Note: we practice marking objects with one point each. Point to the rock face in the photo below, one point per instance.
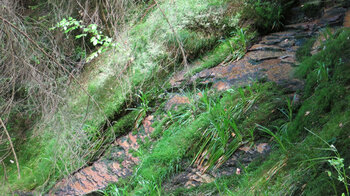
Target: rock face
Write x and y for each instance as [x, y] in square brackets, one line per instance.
[272, 58]
[347, 19]
[176, 101]
[116, 163]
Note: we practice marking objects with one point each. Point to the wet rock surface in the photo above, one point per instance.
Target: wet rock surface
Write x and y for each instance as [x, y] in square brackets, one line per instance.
[272, 58]
[175, 101]
[347, 19]
[193, 176]
[116, 163]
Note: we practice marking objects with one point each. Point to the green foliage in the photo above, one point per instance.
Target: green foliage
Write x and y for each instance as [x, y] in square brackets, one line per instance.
[223, 137]
[110, 82]
[305, 50]
[268, 11]
[267, 15]
[125, 124]
[322, 72]
[194, 43]
[238, 42]
[216, 20]
[330, 55]
[325, 110]
[115, 77]
[231, 48]
[336, 162]
[149, 187]
[312, 8]
[305, 159]
[208, 118]
[142, 109]
[80, 54]
[217, 142]
[96, 36]
[276, 137]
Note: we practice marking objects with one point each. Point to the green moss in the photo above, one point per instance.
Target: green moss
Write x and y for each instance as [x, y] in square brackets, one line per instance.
[149, 59]
[194, 43]
[335, 49]
[125, 124]
[212, 59]
[167, 153]
[159, 127]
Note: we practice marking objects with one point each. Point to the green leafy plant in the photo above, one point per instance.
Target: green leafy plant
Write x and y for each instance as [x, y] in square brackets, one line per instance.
[322, 72]
[113, 189]
[223, 136]
[220, 139]
[142, 109]
[268, 15]
[277, 137]
[336, 161]
[288, 113]
[238, 43]
[96, 36]
[149, 187]
[92, 132]
[328, 34]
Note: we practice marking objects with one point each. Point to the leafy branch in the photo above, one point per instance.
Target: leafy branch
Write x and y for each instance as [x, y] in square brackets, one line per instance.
[96, 36]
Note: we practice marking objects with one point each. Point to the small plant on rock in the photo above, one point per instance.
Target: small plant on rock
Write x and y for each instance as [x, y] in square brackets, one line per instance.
[238, 43]
[142, 109]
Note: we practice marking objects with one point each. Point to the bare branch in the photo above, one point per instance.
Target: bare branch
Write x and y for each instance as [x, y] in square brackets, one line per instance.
[12, 148]
[175, 34]
[57, 63]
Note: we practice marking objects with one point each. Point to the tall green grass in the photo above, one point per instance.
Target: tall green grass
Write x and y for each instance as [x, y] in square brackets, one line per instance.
[206, 125]
[313, 148]
[315, 151]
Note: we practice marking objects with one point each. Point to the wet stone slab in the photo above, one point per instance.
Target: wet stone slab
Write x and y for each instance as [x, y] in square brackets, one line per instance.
[116, 163]
[193, 176]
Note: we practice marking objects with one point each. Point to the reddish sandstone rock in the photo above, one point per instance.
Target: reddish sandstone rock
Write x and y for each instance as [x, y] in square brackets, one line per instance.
[175, 101]
[109, 169]
[220, 86]
[272, 58]
[347, 19]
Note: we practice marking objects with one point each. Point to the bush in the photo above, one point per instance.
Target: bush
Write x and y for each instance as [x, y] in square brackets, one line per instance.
[267, 16]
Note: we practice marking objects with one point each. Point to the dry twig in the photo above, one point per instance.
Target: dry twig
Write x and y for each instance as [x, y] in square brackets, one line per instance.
[175, 34]
[11, 145]
[57, 63]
